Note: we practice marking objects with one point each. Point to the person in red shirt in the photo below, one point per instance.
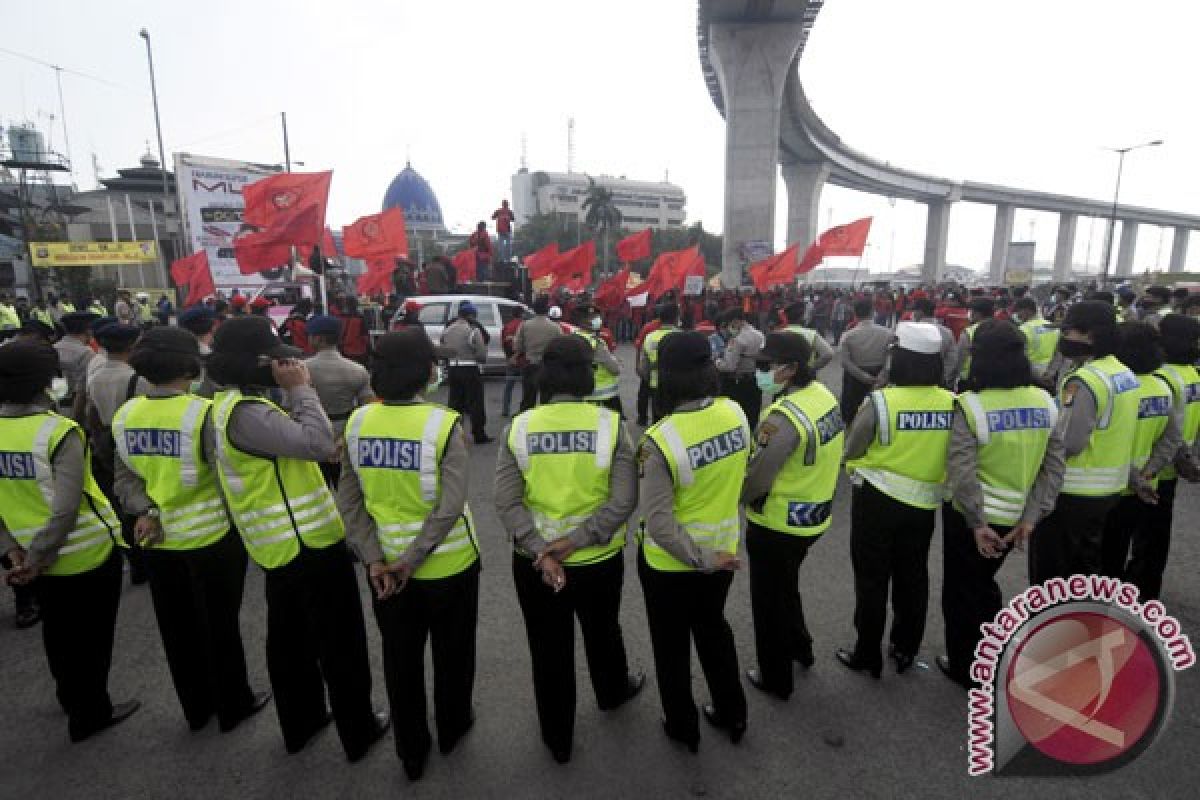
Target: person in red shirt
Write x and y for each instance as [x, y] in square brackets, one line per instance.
[643, 397]
[953, 315]
[504, 220]
[515, 363]
[482, 243]
[355, 342]
[292, 330]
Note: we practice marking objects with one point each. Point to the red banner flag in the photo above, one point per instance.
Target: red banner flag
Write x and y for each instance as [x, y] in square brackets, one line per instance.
[539, 264]
[846, 240]
[610, 295]
[378, 277]
[813, 256]
[635, 247]
[465, 265]
[671, 271]
[328, 248]
[278, 201]
[377, 235]
[573, 269]
[271, 248]
[776, 270]
[193, 272]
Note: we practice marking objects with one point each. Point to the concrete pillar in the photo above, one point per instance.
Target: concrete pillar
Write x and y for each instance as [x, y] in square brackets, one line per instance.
[1001, 236]
[1129, 232]
[1064, 250]
[752, 62]
[937, 234]
[1179, 244]
[804, 183]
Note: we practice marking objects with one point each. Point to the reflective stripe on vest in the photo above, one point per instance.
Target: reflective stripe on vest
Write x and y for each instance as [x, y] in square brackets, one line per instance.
[707, 451]
[565, 453]
[800, 500]
[159, 440]
[966, 363]
[27, 493]
[1184, 380]
[1155, 408]
[605, 383]
[650, 347]
[1102, 469]
[396, 452]
[1041, 342]
[1012, 429]
[907, 458]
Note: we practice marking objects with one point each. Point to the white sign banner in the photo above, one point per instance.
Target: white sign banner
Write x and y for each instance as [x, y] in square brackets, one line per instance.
[210, 199]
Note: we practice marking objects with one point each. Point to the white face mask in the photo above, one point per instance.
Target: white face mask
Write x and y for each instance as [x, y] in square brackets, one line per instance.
[596, 323]
[58, 389]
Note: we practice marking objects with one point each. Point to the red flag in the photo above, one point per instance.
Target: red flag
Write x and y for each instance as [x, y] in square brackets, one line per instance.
[672, 269]
[539, 264]
[813, 256]
[635, 247]
[776, 270]
[328, 248]
[464, 264]
[846, 240]
[573, 269]
[193, 272]
[610, 295]
[279, 200]
[377, 234]
[271, 248]
[378, 277]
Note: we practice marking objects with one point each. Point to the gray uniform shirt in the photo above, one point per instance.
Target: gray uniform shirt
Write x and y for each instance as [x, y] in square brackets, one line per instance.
[108, 389]
[341, 384]
[466, 341]
[741, 351]
[864, 348]
[67, 467]
[658, 505]
[259, 430]
[361, 530]
[73, 358]
[533, 336]
[598, 529]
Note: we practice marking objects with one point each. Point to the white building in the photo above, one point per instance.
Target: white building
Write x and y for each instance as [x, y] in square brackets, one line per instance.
[643, 204]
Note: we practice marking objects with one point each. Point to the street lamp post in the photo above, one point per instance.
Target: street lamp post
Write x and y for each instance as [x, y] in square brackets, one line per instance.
[1112, 220]
[162, 155]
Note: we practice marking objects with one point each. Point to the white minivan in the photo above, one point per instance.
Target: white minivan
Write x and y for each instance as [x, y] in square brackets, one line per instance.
[439, 310]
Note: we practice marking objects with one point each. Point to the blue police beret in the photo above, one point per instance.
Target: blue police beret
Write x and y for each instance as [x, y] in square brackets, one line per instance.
[113, 331]
[323, 326]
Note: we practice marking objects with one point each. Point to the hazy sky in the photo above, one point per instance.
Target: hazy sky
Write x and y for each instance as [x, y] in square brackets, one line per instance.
[1025, 93]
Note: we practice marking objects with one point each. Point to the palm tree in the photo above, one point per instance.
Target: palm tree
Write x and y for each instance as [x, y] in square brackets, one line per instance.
[601, 213]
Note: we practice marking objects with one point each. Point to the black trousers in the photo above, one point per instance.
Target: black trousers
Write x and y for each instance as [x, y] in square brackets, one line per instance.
[744, 391]
[686, 607]
[970, 594]
[643, 398]
[1145, 528]
[529, 390]
[443, 612]
[465, 396]
[79, 616]
[780, 633]
[133, 551]
[1070, 539]
[593, 594]
[889, 545]
[331, 471]
[854, 392]
[197, 598]
[316, 639]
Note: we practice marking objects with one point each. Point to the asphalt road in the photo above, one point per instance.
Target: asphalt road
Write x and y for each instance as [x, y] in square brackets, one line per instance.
[841, 735]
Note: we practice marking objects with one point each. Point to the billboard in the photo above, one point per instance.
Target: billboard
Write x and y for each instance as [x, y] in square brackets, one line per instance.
[1018, 269]
[86, 254]
[210, 202]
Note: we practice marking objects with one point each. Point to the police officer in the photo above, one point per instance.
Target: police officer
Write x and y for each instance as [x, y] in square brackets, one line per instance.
[789, 499]
[342, 385]
[693, 466]
[196, 561]
[647, 368]
[822, 353]
[1041, 339]
[1099, 402]
[201, 321]
[73, 357]
[403, 494]
[737, 363]
[468, 343]
[981, 308]
[267, 461]
[565, 485]
[1157, 441]
[1004, 468]
[47, 499]
[606, 370]
[144, 311]
[896, 457]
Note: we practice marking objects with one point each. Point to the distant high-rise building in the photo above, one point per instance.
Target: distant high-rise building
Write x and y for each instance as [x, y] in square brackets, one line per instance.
[643, 204]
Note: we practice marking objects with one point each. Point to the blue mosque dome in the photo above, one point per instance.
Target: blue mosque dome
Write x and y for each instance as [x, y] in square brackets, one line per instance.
[412, 193]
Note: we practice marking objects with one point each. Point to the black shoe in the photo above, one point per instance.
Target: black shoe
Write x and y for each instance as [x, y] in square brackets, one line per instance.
[943, 663]
[296, 746]
[561, 755]
[484, 439]
[692, 743]
[735, 730]
[383, 721]
[414, 766]
[755, 678]
[448, 744]
[120, 713]
[851, 661]
[903, 662]
[197, 725]
[28, 616]
[258, 702]
[804, 656]
[634, 683]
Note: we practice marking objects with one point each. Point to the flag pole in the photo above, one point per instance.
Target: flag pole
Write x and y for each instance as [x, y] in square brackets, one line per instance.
[133, 237]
